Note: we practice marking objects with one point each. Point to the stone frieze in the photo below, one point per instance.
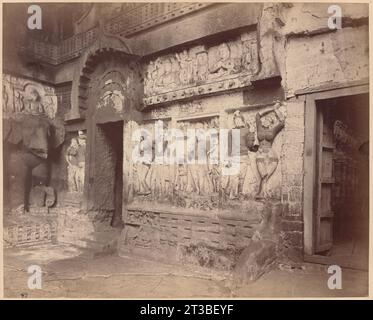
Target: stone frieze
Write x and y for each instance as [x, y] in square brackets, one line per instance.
[201, 70]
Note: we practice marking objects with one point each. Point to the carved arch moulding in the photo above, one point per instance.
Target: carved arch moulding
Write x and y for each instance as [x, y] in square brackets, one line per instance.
[105, 46]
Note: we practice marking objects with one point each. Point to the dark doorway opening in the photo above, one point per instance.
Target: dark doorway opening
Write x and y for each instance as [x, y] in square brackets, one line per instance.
[342, 180]
[108, 173]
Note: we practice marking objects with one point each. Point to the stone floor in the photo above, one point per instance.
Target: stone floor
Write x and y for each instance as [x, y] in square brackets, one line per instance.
[70, 272]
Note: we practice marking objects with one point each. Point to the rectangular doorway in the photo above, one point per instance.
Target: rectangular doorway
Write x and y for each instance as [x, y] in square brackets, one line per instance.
[108, 169]
[340, 193]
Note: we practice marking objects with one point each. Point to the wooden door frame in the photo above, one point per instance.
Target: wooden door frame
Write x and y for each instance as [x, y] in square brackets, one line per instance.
[310, 165]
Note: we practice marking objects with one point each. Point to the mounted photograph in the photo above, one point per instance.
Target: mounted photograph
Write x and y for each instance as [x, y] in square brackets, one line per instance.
[185, 150]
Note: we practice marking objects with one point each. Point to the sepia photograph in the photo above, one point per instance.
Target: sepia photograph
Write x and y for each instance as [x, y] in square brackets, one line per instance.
[185, 150]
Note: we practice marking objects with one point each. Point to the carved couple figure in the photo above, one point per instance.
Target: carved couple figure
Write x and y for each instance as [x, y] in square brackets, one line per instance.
[258, 159]
[75, 157]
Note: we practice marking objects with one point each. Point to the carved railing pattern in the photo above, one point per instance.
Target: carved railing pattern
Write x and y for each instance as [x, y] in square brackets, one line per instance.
[139, 18]
[149, 15]
[65, 50]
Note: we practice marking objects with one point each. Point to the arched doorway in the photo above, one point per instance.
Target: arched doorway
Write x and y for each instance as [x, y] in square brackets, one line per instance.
[113, 95]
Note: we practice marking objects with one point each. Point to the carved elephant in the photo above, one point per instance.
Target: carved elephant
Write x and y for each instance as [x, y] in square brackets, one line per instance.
[28, 141]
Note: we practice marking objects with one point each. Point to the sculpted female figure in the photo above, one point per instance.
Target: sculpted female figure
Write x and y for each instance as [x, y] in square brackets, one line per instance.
[72, 165]
[267, 159]
[80, 171]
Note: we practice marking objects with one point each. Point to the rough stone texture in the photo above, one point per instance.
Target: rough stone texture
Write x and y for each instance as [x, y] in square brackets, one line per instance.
[263, 250]
[311, 18]
[86, 230]
[204, 239]
[256, 259]
[211, 21]
[292, 177]
[74, 227]
[247, 246]
[326, 59]
[30, 230]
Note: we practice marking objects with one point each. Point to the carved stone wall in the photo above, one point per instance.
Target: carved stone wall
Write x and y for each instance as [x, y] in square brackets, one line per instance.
[32, 126]
[29, 231]
[24, 96]
[201, 70]
[204, 240]
[203, 186]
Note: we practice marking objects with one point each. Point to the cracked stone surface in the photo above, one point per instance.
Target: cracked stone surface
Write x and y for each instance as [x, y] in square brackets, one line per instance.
[69, 272]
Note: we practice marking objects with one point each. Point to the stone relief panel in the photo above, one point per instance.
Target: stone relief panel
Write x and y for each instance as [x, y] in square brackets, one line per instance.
[188, 183]
[113, 92]
[32, 131]
[23, 96]
[202, 70]
[262, 164]
[75, 159]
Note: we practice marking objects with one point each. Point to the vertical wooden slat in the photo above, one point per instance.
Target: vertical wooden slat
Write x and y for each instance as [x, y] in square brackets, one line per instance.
[324, 160]
[309, 174]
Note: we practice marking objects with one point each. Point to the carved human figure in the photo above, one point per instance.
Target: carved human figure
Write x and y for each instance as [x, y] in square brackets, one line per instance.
[249, 58]
[199, 180]
[181, 177]
[267, 159]
[251, 179]
[28, 140]
[151, 77]
[75, 158]
[160, 179]
[165, 75]
[19, 104]
[33, 105]
[142, 170]
[226, 182]
[223, 64]
[81, 161]
[201, 69]
[247, 144]
[212, 155]
[186, 67]
[72, 165]
[5, 99]
[204, 178]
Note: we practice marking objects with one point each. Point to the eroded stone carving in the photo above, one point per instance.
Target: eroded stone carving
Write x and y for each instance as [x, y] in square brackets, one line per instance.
[243, 183]
[190, 107]
[21, 96]
[75, 158]
[30, 130]
[201, 70]
[191, 184]
[269, 123]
